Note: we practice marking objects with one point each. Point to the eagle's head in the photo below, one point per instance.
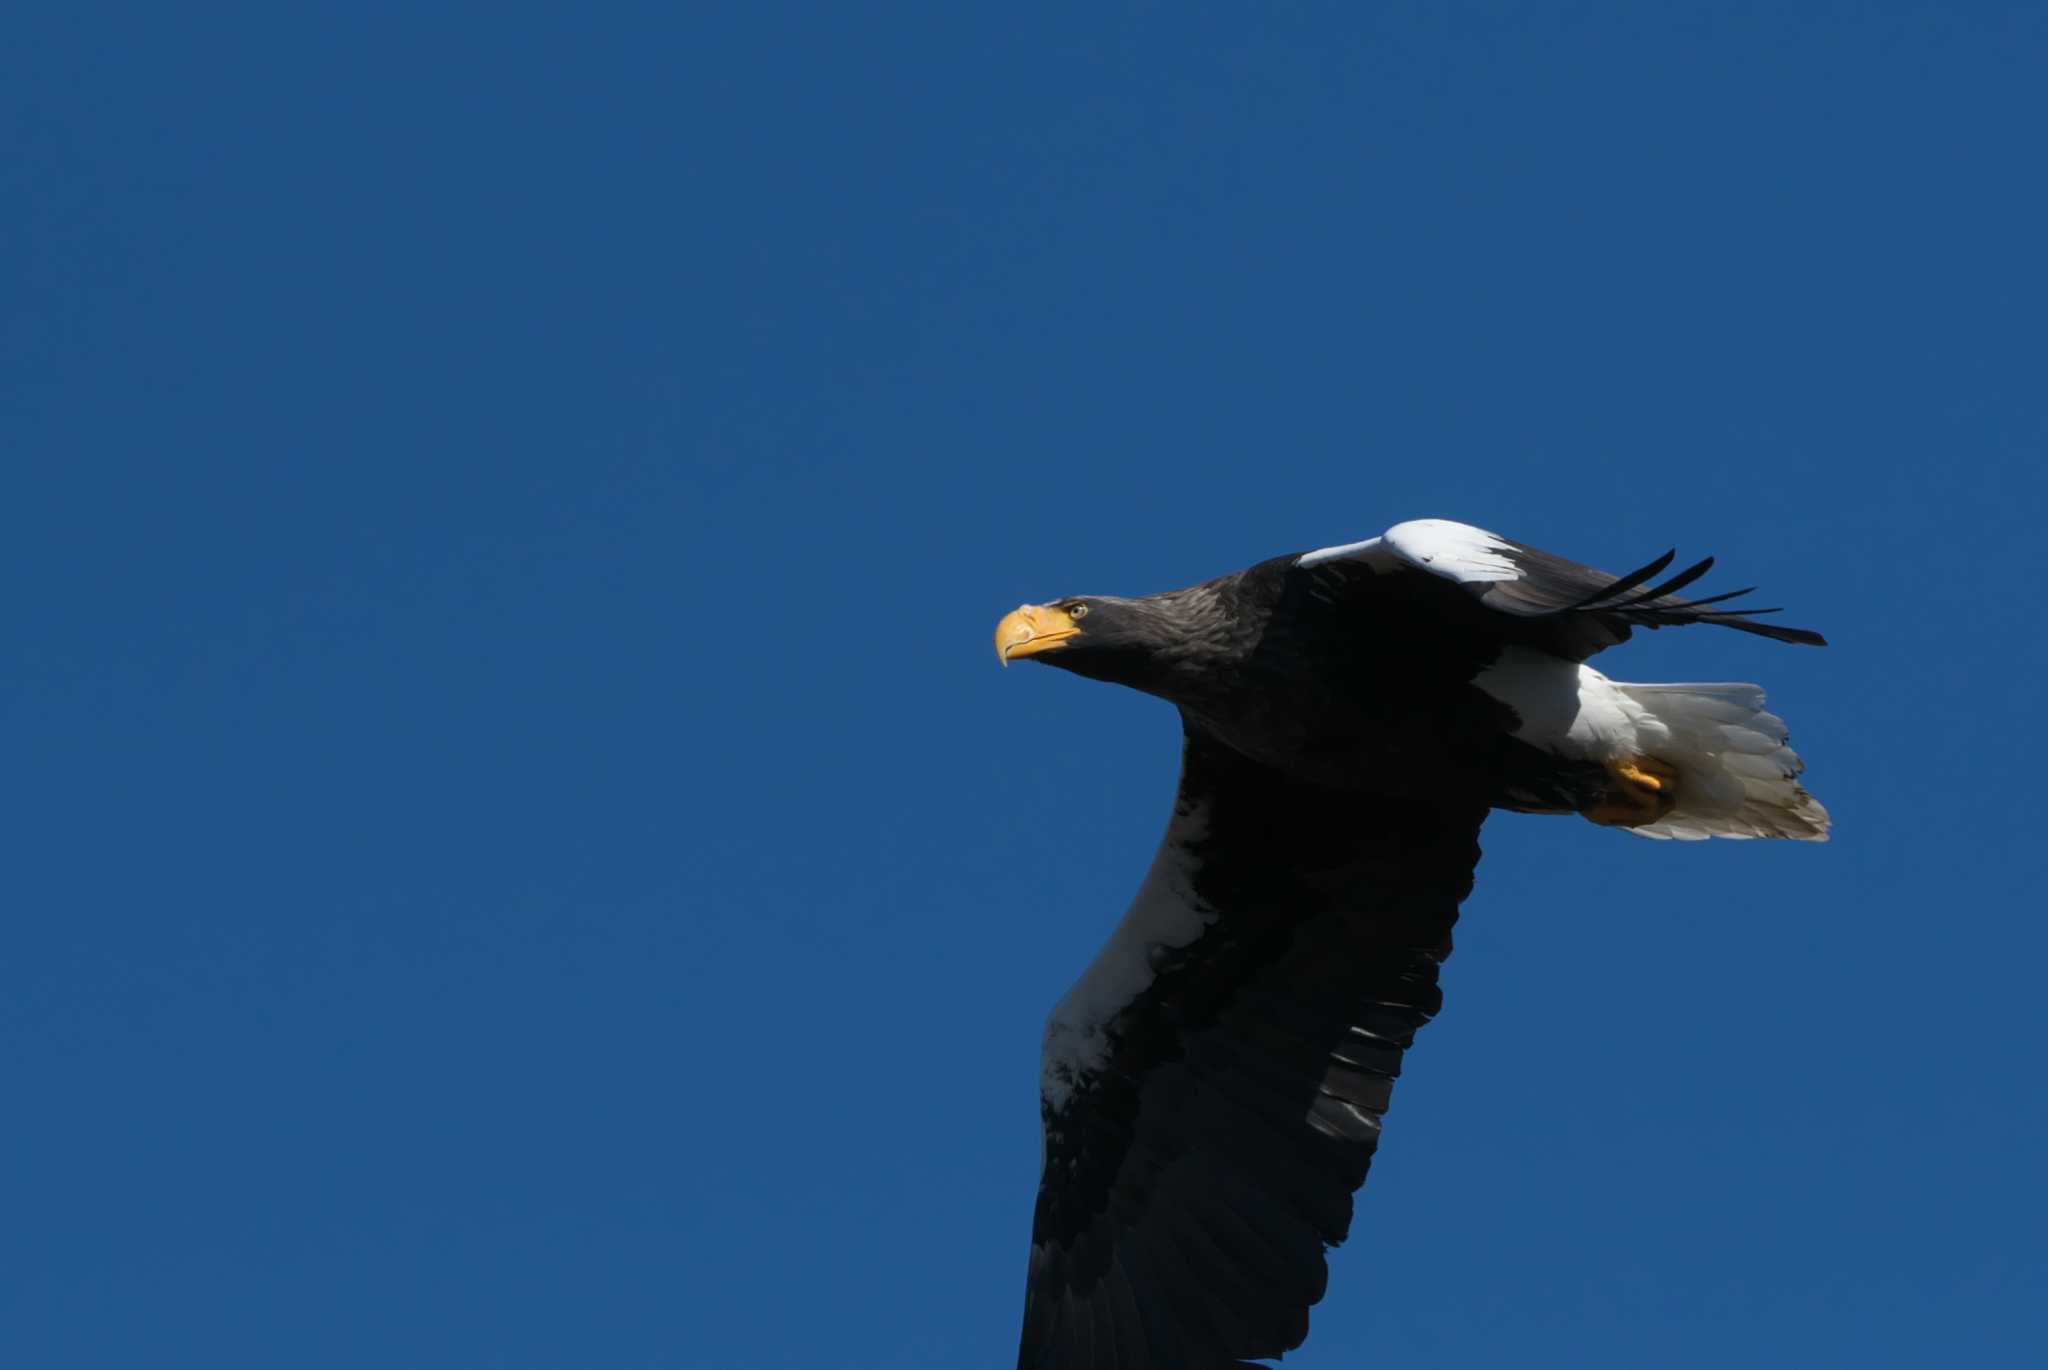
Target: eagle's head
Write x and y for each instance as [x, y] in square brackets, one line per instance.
[1175, 645]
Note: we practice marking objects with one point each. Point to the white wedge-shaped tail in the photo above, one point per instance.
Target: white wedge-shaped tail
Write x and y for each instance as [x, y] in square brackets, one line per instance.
[1736, 775]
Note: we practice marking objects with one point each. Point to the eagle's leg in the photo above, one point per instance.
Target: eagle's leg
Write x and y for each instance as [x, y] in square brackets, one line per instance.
[1644, 790]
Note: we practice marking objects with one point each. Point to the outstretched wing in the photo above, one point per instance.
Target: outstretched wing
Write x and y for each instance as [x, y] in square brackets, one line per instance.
[1580, 610]
[1213, 1084]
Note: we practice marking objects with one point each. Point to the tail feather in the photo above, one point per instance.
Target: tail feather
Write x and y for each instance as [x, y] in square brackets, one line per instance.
[1737, 776]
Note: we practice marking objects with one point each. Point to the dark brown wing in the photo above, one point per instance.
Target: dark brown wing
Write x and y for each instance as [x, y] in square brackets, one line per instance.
[1570, 610]
[1550, 585]
[1214, 1084]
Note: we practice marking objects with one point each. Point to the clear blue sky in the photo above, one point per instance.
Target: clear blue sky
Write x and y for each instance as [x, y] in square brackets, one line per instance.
[519, 853]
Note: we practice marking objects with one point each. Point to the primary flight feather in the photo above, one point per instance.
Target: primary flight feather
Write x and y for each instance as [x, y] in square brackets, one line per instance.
[1212, 1086]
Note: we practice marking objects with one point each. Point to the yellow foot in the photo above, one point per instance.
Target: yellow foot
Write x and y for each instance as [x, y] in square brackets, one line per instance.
[1644, 790]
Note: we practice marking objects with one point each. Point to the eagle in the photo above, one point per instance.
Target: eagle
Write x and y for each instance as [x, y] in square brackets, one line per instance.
[1212, 1087]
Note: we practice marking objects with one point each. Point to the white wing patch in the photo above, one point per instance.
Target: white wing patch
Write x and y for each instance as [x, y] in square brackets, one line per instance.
[1165, 914]
[1369, 551]
[1455, 551]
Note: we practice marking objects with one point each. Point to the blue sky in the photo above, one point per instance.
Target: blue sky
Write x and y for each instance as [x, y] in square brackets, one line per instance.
[519, 852]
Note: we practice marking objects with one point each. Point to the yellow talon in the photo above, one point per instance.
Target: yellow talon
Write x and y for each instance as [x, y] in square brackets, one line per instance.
[1645, 790]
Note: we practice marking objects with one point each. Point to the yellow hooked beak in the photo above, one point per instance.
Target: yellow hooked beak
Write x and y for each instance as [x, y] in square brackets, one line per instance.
[1031, 629]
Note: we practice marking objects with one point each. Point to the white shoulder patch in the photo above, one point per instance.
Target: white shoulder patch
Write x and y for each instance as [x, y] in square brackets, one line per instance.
[1455, 551]
[1166, 915]
[1369, 550]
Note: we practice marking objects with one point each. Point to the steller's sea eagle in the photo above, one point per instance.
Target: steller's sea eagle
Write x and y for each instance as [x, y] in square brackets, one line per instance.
[1213, 1084]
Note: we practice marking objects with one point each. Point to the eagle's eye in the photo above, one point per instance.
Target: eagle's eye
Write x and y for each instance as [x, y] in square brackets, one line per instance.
[1077, 611]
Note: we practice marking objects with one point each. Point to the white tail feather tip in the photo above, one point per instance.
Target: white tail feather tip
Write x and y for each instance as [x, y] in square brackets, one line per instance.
[1736, 775]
